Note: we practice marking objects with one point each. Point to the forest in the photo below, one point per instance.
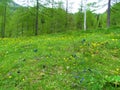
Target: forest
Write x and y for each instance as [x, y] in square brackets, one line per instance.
[16, 20]
[44, 45]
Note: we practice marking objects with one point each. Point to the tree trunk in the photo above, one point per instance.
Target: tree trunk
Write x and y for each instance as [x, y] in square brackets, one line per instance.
[66, 24]
[22, 28]
[108, 13]
[85, 15]
[81, 6]
[17, 27]
[4, 22]
[36, 26]
[27, 24]
[52, 18]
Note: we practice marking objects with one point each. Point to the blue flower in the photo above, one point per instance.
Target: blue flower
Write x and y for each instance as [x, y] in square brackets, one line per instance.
[81, 80]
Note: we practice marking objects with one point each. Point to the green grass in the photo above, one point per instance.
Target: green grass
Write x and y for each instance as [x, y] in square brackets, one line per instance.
[75, 60]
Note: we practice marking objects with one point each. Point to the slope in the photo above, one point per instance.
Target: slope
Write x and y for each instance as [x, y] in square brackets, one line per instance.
[74, 61]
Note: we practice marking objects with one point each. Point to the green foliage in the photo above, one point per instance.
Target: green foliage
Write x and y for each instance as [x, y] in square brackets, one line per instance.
[115, 21]
[91, 20]
[79, 20]
[52, 20]
[21, 21]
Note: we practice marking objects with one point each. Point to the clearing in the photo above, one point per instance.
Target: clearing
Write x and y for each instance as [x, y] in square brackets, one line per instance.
[74, 61]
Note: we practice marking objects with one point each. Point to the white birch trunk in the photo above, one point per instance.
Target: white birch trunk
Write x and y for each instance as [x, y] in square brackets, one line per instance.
[85, 15]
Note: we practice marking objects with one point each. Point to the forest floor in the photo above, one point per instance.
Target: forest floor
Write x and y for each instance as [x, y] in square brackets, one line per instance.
[75, 60]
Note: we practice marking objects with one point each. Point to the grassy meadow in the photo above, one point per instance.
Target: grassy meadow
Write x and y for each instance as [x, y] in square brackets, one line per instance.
[75, 60]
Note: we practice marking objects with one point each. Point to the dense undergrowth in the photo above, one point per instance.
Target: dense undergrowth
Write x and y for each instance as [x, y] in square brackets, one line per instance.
[75, 60]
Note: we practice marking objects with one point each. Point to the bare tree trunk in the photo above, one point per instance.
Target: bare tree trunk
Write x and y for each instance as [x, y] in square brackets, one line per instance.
[27, 24]
[81, 5]
[108, 13]
[36, 26]
[17, 26]
[52, 3]
[4, 21]
[85, 15]
[33, 27]
[66, 25]
[22, 28]
[2, 25]
[52, 16]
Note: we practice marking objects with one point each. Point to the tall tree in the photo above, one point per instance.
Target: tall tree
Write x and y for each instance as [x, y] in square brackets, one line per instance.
[5, 4]
[108, 13]
[53, 23]
[4, 18]
[37, 10]
[85, 1]
[115, 14]
[66, 14]
[81, 6]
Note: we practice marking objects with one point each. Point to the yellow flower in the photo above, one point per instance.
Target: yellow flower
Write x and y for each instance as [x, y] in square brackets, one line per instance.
[67, 67]
[117, 69]
[10, 76]
[92, 55]
[113, 39]
[94, 44]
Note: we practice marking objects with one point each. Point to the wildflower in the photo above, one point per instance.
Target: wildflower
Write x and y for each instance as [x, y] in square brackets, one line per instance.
[113, 39]
[94, 44]
[83, 41]
[117, 69]
[67, 67]
[10, 76]
[81, 80]
[92, 55]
